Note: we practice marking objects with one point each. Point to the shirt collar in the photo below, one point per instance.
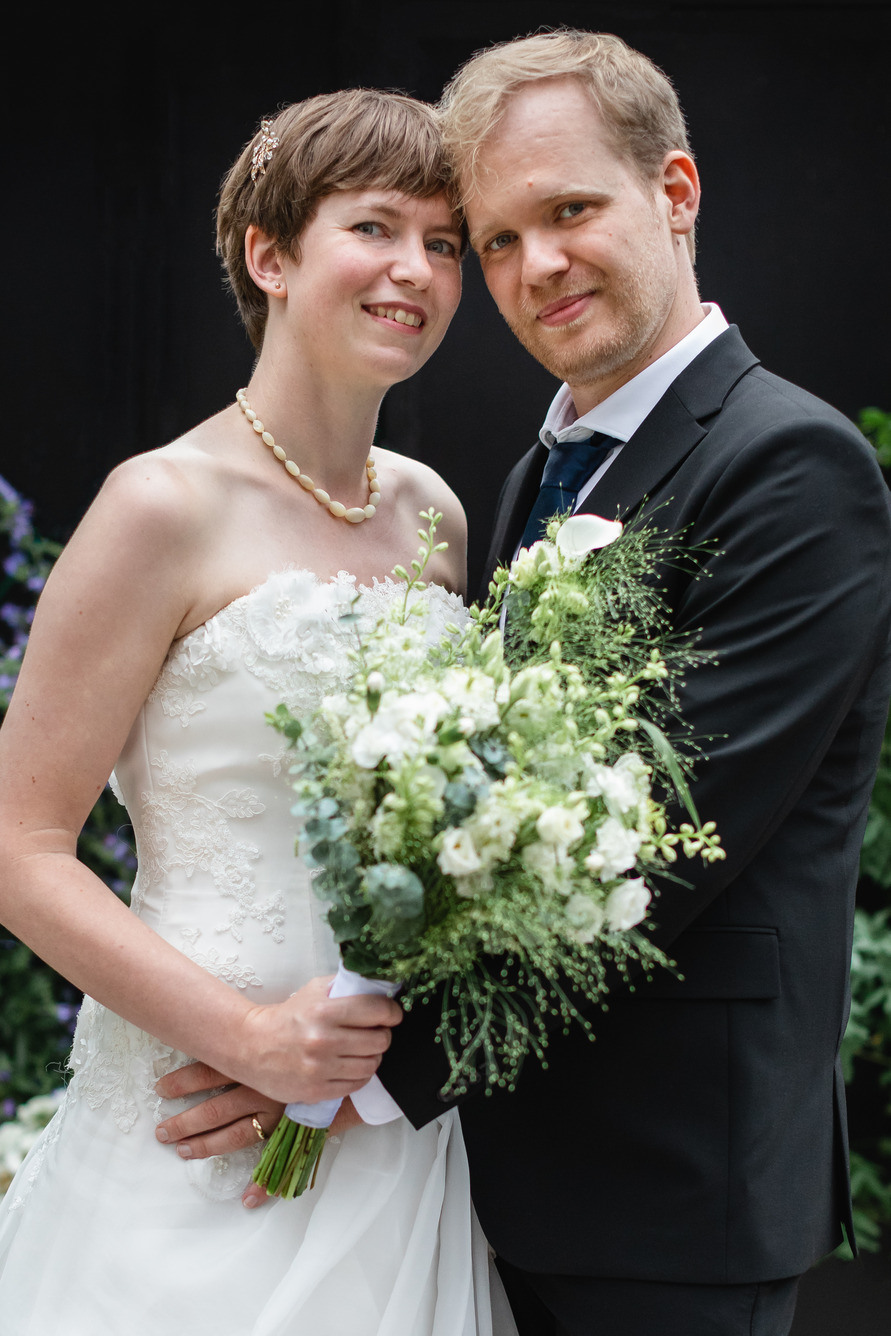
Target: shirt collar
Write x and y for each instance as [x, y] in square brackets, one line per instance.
[622, 413]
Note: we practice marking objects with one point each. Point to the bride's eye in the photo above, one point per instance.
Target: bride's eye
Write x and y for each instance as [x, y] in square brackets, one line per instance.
[368, 229]
[441, 246]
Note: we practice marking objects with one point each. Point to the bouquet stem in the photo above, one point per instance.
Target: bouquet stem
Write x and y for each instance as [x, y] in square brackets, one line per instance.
[290, 1159]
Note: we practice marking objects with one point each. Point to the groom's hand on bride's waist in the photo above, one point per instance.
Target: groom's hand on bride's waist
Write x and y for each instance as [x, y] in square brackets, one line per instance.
[334, 1046]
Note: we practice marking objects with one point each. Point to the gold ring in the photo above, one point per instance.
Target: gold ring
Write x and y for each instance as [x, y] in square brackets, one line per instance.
[258, 1129]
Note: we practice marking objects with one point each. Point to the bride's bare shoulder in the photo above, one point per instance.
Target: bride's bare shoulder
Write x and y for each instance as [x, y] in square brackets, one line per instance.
[420, 486]
[417, 488]
[174, 490]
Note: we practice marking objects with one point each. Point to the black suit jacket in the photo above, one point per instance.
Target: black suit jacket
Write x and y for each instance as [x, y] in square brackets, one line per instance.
[701, 1137]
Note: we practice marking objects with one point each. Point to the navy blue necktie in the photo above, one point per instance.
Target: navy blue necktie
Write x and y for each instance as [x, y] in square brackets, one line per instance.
[570, 465]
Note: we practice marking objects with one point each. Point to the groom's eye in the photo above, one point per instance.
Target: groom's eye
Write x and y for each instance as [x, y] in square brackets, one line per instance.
[572, 210]
[498, 243]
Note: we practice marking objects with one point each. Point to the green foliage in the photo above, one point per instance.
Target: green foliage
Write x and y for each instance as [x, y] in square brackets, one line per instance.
[39, 1007]
[866, 1048]
[876, 427]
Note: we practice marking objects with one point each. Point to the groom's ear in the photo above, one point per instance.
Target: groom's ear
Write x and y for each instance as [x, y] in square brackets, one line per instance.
[679, 185]
[263, 262]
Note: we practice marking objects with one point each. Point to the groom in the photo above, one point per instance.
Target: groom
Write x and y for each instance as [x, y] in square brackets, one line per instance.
[678, 1175]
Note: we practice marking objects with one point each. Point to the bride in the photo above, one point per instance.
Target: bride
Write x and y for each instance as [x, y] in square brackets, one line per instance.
[204, 586]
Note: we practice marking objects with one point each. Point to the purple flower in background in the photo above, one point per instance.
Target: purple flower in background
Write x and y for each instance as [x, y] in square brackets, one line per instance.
[35, 583]
[118, 848]
[9, 1108]
[13, 563]
[21, 524]
[9, 493]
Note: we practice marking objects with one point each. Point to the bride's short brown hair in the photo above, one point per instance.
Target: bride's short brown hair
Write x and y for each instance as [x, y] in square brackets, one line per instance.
[350, 140]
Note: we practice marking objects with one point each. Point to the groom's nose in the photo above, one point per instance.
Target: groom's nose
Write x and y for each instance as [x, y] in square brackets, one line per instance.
[543, 257]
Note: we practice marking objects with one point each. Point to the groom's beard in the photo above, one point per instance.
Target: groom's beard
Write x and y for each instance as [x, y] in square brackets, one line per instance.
[625, 318]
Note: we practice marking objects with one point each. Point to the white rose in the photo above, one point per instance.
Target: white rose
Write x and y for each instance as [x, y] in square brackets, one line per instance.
[616, 851]
[626, 906]
[457, 856]
[559, 826]
[585, 916]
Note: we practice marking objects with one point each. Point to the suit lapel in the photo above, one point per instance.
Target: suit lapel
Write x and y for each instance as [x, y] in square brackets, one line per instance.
[674, 428]
[655, 450]
[677, 424]
[517, 499]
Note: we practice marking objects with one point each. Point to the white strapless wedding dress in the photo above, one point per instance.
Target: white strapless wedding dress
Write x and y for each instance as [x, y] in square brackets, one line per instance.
[104, 1231]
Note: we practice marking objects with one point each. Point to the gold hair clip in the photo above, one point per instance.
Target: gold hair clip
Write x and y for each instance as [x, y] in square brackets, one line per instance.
[262, 154]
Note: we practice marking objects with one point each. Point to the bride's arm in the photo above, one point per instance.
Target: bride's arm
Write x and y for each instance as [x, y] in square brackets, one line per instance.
[116, 599]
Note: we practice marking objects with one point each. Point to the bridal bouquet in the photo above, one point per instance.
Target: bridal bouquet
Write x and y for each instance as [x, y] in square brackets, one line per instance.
[484, 814]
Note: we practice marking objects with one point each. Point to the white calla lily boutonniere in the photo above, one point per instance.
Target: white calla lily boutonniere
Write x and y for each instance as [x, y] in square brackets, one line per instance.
[581, 534]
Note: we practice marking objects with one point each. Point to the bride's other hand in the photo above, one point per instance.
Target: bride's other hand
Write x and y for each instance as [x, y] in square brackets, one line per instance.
[314, 1047]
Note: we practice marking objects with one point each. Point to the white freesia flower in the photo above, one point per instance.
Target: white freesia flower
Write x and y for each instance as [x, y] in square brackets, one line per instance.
[561, 826]
[473, 696]
[622, 786]
[585, 917]
[532, 562]
[398, 727]
[581, 534]
[616, 851]
[494, 829]
[626, 906]
[457, 856]
[553, 865]
[432, 778]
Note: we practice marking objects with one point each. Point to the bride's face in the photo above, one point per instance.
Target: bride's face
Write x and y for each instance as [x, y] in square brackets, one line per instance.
[376, 284]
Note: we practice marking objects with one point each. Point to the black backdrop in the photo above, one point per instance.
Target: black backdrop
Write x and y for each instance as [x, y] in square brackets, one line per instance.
[120, 336]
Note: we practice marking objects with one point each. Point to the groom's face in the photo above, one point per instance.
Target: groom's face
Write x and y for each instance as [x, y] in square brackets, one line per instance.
[575, 245]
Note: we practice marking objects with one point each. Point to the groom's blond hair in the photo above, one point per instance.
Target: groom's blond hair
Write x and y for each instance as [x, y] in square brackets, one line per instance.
[636, 101]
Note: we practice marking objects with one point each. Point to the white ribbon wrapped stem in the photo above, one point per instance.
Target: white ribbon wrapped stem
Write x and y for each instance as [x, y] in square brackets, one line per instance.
[373, 1103]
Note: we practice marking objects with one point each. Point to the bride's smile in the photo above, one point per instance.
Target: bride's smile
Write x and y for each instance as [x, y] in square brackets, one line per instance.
[370, 292]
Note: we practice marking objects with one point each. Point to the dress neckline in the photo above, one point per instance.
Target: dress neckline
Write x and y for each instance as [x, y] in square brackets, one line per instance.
[340, 577]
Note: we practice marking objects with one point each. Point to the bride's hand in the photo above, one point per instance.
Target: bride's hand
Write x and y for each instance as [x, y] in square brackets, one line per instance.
[314, 1047]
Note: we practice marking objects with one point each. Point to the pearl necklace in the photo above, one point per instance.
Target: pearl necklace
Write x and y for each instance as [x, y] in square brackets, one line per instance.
[353, 514]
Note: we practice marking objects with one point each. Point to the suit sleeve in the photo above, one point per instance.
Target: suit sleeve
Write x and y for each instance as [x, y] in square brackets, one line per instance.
[795, 608]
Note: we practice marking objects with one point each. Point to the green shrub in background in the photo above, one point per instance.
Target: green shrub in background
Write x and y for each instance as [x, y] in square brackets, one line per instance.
[38, 1007]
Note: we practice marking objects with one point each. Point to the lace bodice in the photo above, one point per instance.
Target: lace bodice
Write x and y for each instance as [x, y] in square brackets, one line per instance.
[203, 778]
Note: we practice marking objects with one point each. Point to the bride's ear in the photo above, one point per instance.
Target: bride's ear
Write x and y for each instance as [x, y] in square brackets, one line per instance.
[263, 262]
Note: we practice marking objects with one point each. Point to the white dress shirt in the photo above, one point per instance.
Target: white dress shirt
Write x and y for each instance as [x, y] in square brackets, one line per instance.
[622, 413]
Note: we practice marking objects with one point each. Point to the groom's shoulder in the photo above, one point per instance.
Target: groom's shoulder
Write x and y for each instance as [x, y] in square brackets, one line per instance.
[758, 392]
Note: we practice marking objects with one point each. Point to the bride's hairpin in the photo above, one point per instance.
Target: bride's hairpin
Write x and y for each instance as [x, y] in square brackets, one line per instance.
[262, 154]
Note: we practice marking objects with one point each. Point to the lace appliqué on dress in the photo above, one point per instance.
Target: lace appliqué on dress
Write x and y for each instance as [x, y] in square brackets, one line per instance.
[117, 1064]
[186, 829]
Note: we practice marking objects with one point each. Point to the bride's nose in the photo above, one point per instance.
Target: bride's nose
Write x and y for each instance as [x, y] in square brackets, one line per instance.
[411, 264]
